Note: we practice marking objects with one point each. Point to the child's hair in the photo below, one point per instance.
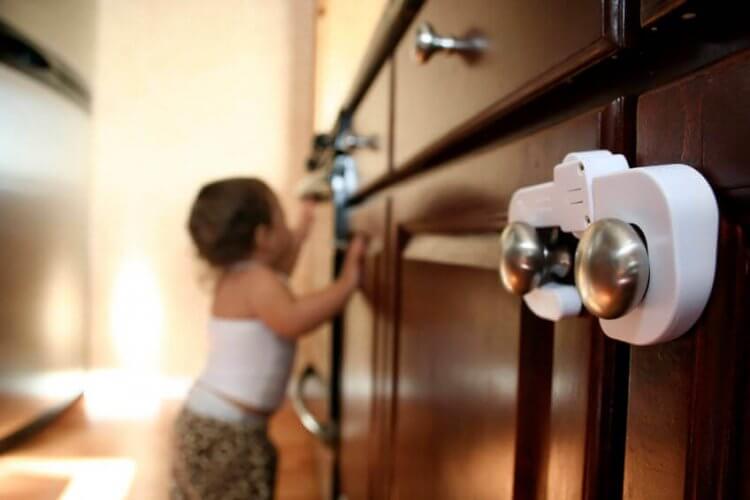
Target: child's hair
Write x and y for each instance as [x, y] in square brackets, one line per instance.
[224, 217]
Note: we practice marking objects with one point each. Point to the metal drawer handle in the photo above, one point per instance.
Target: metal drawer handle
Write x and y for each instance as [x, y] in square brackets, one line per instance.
[350, 141]
[326, 432]
[527, 261]
[428, 42]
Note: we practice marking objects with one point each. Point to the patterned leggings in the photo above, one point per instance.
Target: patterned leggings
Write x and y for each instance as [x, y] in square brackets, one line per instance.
[221, 460]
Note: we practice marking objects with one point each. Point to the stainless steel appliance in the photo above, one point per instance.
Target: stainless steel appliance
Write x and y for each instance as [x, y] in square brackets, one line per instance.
[44, 148]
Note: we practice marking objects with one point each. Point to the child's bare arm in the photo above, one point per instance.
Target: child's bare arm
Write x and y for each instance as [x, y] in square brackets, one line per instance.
[293, 316]
[289, 261]
[299, 235]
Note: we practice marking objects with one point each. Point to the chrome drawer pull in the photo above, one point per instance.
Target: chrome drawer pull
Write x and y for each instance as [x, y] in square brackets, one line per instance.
[428, 43]
[526, 262]
[350, 142]
[325, 432]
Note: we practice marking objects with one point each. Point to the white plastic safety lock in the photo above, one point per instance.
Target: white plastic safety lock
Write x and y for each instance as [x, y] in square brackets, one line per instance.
[675, 213]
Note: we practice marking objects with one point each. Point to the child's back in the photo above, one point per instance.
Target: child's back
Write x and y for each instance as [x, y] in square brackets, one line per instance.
[222, 448]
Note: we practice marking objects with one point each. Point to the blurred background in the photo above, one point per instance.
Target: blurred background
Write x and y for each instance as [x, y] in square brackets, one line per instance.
[116, 112]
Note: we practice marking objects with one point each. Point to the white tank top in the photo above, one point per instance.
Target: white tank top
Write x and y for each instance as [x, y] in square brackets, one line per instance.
[248, 362]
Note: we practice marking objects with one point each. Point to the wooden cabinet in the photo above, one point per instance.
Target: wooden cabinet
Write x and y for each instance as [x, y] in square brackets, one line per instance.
[451, 387]
[531, 45]
[457, 376]
[700, 120]
[363, 417]
[491, 401]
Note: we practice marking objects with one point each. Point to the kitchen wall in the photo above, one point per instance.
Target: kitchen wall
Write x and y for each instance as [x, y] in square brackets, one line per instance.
[186, 91]
[343, 33]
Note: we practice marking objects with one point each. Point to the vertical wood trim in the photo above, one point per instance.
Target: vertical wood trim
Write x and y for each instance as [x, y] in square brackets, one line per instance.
[740, 456]
[337, 355]
[606, 419]
[399, 238]
[392, 293]
[621, 21]
[533, 406]
[618, 127]
[376, 352]
[609, 359]
[390, 360]
[391, 112]
[720, 348]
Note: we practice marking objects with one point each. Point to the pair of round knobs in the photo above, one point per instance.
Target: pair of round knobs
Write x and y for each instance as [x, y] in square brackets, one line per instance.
[611, 265]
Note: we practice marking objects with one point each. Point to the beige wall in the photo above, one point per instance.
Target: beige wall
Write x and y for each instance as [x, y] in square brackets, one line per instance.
[344, 30]
[185, 91]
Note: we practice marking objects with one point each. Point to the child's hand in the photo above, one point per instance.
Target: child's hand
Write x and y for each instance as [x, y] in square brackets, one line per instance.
[351, 271]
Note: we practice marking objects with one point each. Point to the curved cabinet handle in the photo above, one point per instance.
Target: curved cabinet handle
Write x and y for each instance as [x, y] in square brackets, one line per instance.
[326, 432]
[428, 42]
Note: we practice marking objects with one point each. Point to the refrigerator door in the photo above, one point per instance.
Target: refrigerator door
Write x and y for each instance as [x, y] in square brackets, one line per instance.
[44, 149]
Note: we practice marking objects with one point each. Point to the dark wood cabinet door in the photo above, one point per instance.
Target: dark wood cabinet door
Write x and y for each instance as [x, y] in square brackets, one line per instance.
[587, 412]
[687, 404]
[491, 401]
[458, 376]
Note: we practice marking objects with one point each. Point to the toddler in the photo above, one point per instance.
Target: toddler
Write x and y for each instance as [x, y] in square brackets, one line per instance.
[222, 448]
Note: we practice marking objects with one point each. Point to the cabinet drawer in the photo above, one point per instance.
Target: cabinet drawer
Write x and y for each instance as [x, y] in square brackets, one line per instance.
[530, 44]
[373, 119]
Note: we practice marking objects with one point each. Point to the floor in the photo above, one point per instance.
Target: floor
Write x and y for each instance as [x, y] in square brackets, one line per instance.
[83, 457]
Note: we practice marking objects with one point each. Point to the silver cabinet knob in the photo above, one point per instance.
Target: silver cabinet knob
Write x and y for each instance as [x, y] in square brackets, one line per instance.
[428, 42]
[526, 262]
[522, 258]
[611, 268]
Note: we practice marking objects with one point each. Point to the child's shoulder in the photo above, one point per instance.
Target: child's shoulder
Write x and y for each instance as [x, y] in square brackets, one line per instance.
[258, 275]
[238, 286]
